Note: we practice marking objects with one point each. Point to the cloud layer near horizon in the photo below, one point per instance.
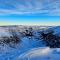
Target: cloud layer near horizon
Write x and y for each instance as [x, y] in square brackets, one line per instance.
[48, 7]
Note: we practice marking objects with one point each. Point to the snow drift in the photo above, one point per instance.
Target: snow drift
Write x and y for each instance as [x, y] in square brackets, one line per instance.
[44, 53]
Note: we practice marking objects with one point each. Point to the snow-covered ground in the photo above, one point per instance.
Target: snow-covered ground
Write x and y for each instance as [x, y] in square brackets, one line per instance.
[29, 49]
[44, 53]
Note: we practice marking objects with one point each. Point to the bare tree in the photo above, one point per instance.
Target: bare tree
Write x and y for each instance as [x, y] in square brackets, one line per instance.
[14, 38]
[51, 40]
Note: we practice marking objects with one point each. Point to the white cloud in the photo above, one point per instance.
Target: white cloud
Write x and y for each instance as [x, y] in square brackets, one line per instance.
[49, 7]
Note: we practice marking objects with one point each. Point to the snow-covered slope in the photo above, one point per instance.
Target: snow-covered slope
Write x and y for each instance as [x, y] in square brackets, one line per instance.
[57, 30]
[29, 49]
[41, 54]
[4, 32]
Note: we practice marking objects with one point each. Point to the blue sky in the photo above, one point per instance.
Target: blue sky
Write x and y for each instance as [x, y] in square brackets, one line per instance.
[29, 20]
[29, 12]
